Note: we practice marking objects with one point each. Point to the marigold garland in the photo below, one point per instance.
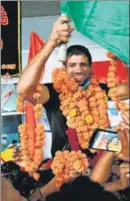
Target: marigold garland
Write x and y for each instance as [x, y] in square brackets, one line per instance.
[111, 83]
[20, 104]
[67, 165]
[111, 56]
[85, 110]
[31, 163]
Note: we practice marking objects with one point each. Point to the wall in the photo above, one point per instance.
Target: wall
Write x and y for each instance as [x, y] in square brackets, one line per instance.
[42, 26]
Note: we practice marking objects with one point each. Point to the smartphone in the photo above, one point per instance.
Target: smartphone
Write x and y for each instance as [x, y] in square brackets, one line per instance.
[106, 140]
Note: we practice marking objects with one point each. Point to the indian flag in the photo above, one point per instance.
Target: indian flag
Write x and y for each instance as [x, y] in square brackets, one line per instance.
[104, 22]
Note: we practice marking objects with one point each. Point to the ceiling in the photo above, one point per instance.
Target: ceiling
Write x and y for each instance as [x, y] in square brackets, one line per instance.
[39, 8]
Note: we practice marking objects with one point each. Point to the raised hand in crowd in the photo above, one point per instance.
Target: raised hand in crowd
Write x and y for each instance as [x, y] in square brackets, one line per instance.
[126, 120]
[61, 31]
[123, 131]
[125, 175]
[124, 171]
[121, 183]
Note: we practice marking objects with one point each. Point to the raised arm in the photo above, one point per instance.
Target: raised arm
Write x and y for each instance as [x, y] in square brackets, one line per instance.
[32, 73]
[102, 168]
[121, 183]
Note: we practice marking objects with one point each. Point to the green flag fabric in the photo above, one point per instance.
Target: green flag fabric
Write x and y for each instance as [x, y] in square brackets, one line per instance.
[104, 22]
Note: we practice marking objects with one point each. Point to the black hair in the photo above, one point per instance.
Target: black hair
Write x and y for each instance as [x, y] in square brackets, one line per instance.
[79, 50]
[14, 141]
[21, 180]
[82, 189]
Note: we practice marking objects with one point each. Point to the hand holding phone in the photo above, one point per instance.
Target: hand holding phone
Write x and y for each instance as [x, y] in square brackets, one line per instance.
[105, 140]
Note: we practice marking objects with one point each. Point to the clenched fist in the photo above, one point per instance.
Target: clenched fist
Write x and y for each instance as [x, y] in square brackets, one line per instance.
[61, 31]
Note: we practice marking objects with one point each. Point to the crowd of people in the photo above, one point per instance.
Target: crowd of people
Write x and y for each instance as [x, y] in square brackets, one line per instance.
[99, 183]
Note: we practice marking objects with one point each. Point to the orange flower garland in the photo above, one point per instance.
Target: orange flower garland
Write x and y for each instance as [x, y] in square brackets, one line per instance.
[31, 163]
[112, 56]
[67, 165]
[111, 83]
[85, 110]
[20, 104]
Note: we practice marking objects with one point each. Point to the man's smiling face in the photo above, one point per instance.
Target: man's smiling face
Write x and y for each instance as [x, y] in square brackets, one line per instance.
[78, 67]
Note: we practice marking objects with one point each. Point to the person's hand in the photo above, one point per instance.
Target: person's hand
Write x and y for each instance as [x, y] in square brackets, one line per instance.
[124, 138]
[61, 31]
[125, 175]
[121, 183]
[8, 192]
[36, 195]
[123, 131]
[126, 120]
[73, 175]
